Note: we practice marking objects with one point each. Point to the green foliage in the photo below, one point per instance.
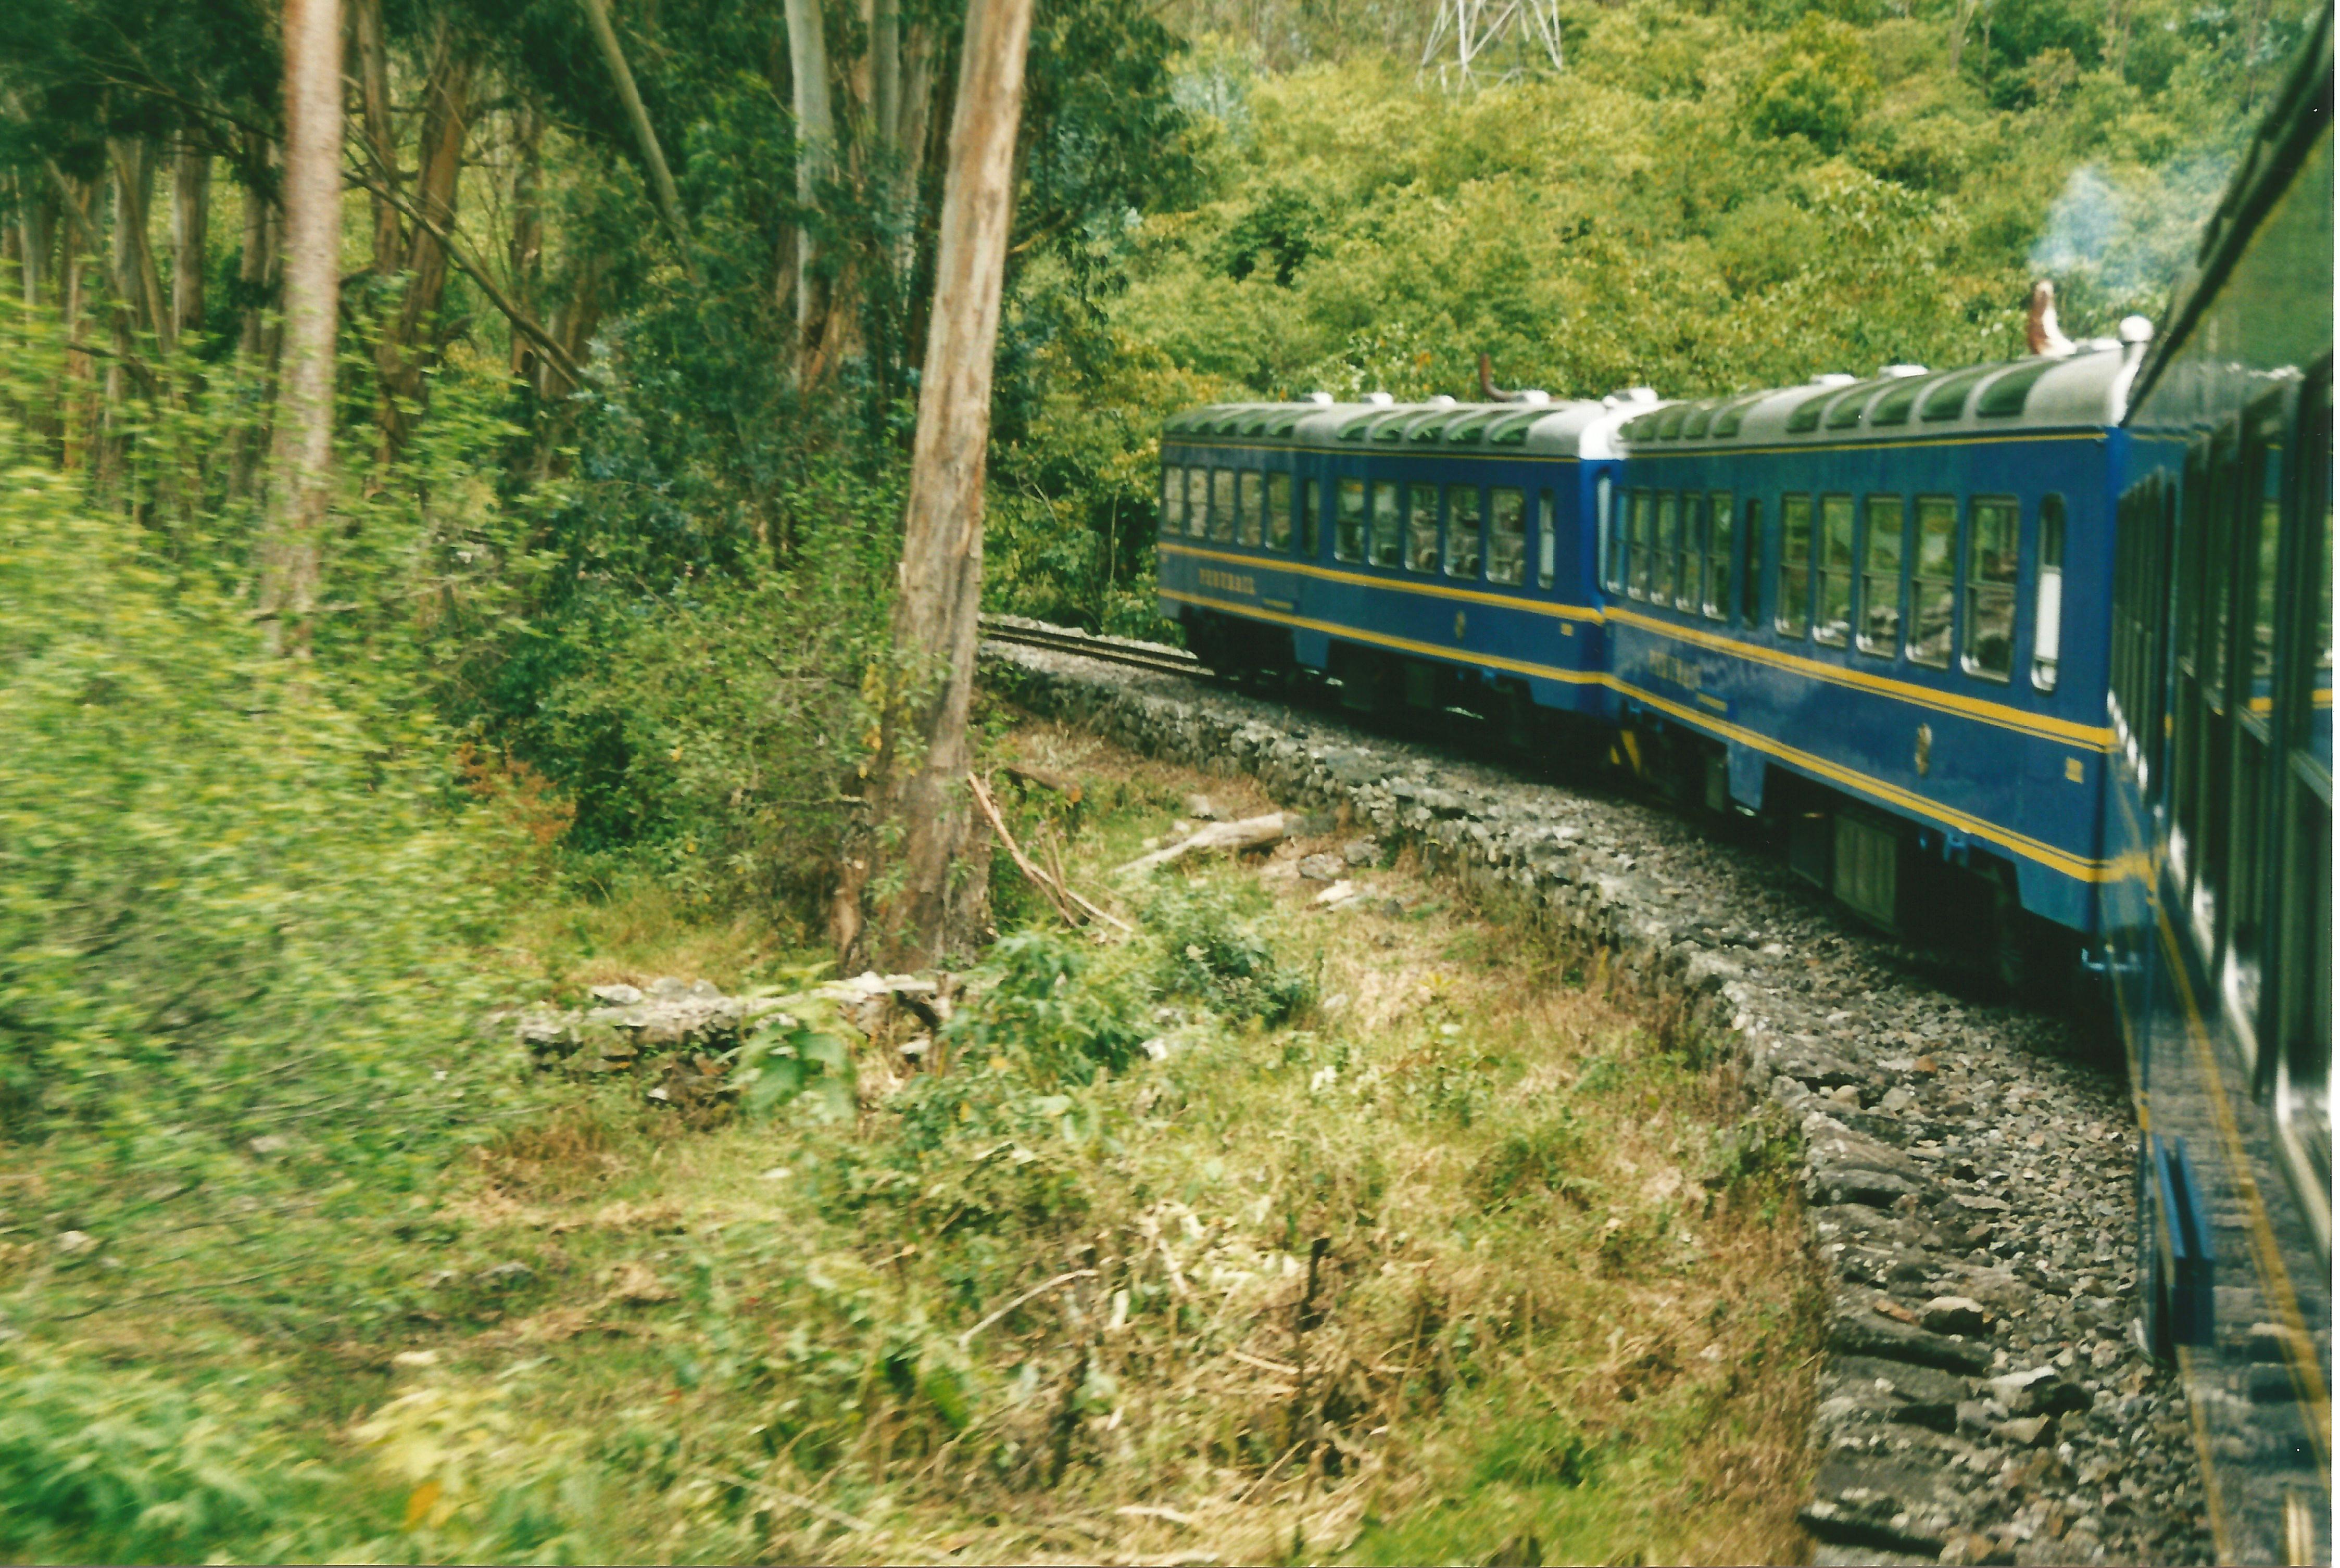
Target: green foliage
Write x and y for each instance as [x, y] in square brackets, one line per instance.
[1212, 949]
[1817, 85]
[788, 1058]
[104, 1464]
[1046, 1001]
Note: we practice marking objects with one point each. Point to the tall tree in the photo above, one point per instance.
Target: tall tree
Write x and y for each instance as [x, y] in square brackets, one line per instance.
[300, 485]
[905, 898]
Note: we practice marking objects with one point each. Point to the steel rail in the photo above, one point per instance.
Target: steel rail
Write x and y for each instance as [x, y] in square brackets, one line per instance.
[1105, 650]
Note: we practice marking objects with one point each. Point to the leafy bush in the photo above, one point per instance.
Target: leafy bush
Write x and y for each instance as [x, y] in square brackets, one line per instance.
[1043, 1001]
[1211, 950]
[104, 1464]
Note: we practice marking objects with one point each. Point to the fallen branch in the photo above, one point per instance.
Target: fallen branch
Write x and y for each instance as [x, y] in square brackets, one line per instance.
[1252, 833]
[1060, 897]
[1037, 1290]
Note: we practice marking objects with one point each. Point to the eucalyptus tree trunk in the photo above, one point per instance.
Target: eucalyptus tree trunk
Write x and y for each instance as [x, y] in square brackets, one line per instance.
[669, 200]
[912, 891]
[300, 485]
[815, 143]
[191, 226]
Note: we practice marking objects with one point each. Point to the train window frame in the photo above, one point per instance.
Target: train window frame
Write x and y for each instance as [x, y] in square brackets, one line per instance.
[2255, 756]
[1547, 545]
[1251, 508]
[1721, 553]
[1791, 613]
[2048, 590]
[1279, 511]
[1689, 554]
[1384, 545]
[1833, 578]
[1311, 530]
[1198, 501]
[1925, 512]
[1750, 565]
[1352, 523]
[1973, 594]
[1223, 512]
[1641, 519]
[1173, 502]
[1874, 575]
[1421, 551]
[1513, 573]
[1665, 548]
[1609, 524]
[1463, 536]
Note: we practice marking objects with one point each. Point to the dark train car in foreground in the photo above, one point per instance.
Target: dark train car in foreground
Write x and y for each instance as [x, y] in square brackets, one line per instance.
[2219, 822]
[1875, 610]
[1424, 556]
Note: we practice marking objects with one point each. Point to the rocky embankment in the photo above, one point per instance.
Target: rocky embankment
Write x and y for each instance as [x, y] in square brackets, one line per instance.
[1969, 1171]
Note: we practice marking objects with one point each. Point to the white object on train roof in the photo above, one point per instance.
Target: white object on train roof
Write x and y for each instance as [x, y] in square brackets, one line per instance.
[1630, 395]
[1895, 373]
[1442, 401]
[1833, 378]
[1380, 400]
[1321, 399]
[1535, 395]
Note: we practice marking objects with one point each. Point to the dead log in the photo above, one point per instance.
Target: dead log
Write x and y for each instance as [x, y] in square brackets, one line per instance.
[1252, 833]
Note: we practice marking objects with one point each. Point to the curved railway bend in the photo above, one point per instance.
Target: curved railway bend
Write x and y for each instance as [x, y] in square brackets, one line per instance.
[1967, 1171]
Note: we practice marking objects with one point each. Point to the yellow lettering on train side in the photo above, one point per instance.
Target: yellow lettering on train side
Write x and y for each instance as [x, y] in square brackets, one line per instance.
[1230, 582]
[1680, 671]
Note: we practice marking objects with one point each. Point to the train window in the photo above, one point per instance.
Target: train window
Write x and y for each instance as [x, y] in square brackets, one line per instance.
[1989, 633]
[1198, 501]
[1612, 551]
[1661, 554]
[1507, 535]
[1279, 511]
[1461, 531]
[1933, 581]
[1421, 528]
[1795, 598]
[1548, 534]
[1719, 554]
[2048, 604]
[1389, 522]
[1645, 511]
[1249, 486]
[1173, 502]
[1880, 579]
[1751, 556]
[2268, 529]
[1692, 556]
[1223, 505]
[1836, 570]
[2259, 513]
[1349, 525]
[1311, 505]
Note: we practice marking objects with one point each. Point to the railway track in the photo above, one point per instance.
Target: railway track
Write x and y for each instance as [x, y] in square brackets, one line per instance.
[1156, 656]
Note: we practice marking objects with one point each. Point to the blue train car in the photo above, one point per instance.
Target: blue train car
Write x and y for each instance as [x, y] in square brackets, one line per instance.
[1419, 556]
[2219, 832]
[1876, 610]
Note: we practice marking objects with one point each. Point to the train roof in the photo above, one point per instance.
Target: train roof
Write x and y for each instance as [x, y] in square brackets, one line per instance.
[2087, 387]
[2301, 113]
[1574, 427]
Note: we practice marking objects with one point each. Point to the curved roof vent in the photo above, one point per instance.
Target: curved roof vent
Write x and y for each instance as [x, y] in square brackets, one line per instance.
[1629, 396]
[1380, 400]
[1895, 373]
[1834, 378]
[1321, 399]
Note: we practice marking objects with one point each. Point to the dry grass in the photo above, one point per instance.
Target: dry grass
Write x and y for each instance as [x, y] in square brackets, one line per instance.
[1533, 1331]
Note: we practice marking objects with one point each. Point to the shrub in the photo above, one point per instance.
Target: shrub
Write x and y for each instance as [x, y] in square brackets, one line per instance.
[1213, 951]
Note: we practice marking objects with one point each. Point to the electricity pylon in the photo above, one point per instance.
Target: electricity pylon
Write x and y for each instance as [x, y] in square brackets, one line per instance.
[1467, 33]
